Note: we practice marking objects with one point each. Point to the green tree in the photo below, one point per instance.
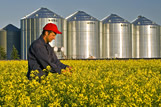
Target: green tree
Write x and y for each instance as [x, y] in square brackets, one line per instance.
[14, 53]
[3, 55]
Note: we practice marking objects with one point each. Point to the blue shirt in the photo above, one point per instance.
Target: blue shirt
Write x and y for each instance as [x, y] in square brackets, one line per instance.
[40, 55]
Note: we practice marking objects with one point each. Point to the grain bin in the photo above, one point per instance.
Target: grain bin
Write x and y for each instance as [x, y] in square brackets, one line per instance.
[83, 36]
[9, 37]
[3, 39]
[146, 38]
[32, 26]
[117, 40]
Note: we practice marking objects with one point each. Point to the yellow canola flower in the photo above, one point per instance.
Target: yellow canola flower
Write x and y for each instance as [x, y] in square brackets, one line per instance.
[99, 83]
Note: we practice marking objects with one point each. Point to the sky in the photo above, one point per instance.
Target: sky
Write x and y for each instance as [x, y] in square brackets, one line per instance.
[11, 11]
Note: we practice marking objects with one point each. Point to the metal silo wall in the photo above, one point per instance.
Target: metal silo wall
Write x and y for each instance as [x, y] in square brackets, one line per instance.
[83, 39]
[101, 39]
[117, 40]
[32, 28]
[3, 39]
[13, 39]
[146, 41]
[160, 41]
[22, 38]
[134, 43]
[64, 34]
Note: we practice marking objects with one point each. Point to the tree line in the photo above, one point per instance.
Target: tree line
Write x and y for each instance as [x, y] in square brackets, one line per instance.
[14, 54]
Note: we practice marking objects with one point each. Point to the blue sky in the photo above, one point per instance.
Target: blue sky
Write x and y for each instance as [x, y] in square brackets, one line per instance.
[11, 11]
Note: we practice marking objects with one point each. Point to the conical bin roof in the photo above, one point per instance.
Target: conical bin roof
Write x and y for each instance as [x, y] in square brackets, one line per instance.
[81, 16]
[42, 13]
[143, 21]
[113, 18]
[11, 27]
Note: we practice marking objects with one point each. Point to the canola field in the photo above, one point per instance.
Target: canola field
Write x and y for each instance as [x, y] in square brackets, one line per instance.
[112, 83]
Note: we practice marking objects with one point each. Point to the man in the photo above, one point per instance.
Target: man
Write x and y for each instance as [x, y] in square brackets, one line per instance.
[41, 54]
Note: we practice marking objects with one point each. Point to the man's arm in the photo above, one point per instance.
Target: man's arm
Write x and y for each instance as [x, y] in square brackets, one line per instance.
[63, 66]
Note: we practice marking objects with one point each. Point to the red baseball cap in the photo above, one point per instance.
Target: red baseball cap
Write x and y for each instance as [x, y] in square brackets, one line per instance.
[52, 27]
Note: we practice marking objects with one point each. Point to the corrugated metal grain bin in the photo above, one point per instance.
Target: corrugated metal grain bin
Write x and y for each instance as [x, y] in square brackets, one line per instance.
[10, 37]
[146, 38]
[83, 36]
[117, 38]
[32, 27]
[3, 39]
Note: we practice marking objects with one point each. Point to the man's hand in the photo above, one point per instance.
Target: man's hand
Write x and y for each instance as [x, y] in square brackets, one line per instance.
[68, 69]
[63, 71]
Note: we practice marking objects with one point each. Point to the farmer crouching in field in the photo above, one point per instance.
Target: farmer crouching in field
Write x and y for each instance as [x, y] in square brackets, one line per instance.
[41, 54]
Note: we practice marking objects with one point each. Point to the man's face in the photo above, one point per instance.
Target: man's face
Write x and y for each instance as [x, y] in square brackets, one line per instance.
[50, 36]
